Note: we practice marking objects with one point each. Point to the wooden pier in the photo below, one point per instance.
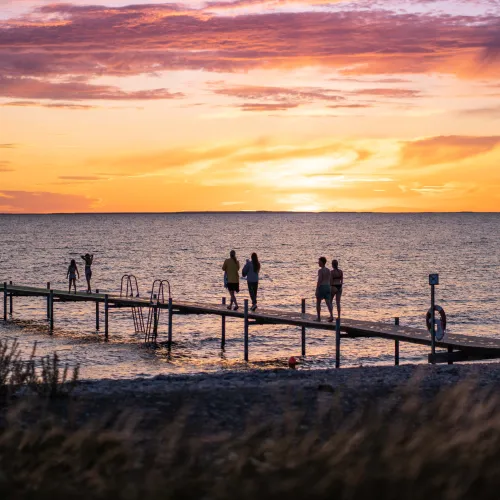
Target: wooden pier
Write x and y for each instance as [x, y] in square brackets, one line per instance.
[455, 347]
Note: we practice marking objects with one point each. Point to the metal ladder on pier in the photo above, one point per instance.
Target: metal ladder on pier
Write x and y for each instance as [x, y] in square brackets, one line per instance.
[157, 297]
[129, 288]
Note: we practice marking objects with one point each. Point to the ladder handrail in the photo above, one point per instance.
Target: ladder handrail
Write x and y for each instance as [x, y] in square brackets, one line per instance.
[130, 280]
[160, 296]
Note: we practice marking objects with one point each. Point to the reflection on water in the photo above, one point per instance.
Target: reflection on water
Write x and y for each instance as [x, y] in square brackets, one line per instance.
[386, 260]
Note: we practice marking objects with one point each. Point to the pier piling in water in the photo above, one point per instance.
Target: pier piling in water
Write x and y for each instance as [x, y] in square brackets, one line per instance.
[223, 326]
[5, 301]
[303, 328]
[48, 301]
[11, 305]
[51, 311]
[155, 322]
[170, 321]
[396, 345]
[246, 329]
[97, 313]
[337, 343]
[106, 316]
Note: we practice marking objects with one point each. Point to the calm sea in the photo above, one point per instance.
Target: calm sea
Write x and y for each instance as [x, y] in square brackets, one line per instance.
[386, 260]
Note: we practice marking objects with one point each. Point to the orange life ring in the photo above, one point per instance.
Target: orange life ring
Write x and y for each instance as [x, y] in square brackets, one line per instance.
[442, 317]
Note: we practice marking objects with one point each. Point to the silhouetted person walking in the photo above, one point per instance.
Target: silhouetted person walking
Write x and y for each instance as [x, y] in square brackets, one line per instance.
[323, 291]
[251, 272]
[231, 267]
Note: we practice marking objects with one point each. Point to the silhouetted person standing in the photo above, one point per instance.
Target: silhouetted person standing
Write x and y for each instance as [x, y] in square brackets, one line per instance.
[336, 281]
[72, 274]
[88, 269]
[231, 267]
[323, 291]
[251, 272]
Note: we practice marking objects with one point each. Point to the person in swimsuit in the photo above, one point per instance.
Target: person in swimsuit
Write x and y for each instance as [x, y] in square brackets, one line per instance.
[72, 274]
[336, 282]
[323, 291]
[88, 270]
[231, 267]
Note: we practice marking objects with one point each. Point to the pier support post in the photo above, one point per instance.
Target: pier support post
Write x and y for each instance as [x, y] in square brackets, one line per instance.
[5, 301]
[51, 311]
[11, 306]
[170, 321]
[246, 329]
[303, 329]
[48, 301]
[450, 350]
[337, 343]
[433, 324]
[396, 345]
[106, 316]
[155, 322]
[97, 312]
[223, 326]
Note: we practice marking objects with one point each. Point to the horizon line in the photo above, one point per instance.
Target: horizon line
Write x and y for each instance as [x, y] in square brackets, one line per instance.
[256, 212]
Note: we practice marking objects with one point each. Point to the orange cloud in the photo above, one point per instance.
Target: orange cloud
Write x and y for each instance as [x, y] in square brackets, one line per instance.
[446, 149]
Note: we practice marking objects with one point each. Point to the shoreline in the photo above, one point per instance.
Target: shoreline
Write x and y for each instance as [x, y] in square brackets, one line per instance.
[226, 402]
[368, 376]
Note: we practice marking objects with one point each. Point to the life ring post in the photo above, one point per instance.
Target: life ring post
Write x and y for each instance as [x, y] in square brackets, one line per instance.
[433, 281]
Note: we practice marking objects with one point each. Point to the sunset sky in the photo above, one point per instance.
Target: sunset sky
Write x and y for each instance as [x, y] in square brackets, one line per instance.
[300, 105]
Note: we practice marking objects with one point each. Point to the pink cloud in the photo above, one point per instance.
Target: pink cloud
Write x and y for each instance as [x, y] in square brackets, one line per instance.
[43, 202]
[34, 88]
[144, 39]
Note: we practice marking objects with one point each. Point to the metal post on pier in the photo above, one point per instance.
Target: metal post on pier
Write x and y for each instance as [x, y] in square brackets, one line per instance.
[396, 345]
[337, 343]
[97, 313]
[433, 281]
[48, 301]
[106, 316]
[170, 321]
[223, 326]
[5, 301]
[303, 328]
[246, 329]
[11, 306]
[51, 311]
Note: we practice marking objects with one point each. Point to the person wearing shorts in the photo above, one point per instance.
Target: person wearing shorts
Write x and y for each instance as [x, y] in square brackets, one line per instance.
[323, 291]
[88, 269]
[72, 274]
[336, 281]
[231, 267]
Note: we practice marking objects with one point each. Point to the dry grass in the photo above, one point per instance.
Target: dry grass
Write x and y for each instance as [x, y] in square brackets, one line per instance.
[45, 378]
[446, 447]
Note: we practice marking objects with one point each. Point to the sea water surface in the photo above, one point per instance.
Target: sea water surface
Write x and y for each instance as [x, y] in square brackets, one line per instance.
[386, 259]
